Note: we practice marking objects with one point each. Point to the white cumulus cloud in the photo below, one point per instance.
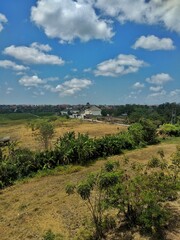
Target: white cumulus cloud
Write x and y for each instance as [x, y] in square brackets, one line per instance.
[3, 20]
[30, 81]
[69, 20]
[41, 47]
[159, 79]
[72, 87]
[138, 85]
[164, 12]
[153, 43]
[156, 88]
[175, 92]
[157, 94]
[35, 54]
[12, 65]
[121, 65]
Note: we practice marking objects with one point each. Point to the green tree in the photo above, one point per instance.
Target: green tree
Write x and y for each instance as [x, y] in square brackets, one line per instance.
[94, 191]
[137, 133]
[44, 133]
[150, 130]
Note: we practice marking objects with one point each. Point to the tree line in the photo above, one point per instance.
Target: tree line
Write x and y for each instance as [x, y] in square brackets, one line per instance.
[163, 113]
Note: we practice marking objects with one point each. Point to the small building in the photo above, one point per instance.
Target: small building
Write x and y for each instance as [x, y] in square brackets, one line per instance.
[65, 112]
[95, 111]
[71, 113]
[74, 115]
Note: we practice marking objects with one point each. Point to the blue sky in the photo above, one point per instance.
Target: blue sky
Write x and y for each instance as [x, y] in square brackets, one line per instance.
[97, 51]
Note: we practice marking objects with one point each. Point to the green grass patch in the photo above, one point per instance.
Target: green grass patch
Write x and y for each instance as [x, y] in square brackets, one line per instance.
[24, 118]
[9, 118]
[59, 170]
[171, 140]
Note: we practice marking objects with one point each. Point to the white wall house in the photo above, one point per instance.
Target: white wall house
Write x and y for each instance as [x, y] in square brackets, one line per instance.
[95, 111]
[64, 112]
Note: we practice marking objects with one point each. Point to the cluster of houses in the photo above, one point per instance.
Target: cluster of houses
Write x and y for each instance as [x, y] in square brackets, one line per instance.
[89, 112]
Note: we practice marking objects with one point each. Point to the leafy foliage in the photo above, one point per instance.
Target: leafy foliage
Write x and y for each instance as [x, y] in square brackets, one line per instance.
[150, 131]
[137, 133]
[44, 133]
[93, 191]
[69, 149]
[49, 235]
[138, 194]
[170, 130]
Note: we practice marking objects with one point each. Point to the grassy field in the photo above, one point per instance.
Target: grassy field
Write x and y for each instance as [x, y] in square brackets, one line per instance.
[31, 207]
[17, 128]
[9, 118]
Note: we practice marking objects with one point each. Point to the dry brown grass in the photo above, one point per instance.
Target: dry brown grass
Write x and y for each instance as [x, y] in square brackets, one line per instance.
[29, 209]
[23, 134]
[142, 155]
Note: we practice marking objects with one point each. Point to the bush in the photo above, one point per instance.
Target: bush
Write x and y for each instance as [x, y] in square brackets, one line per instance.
[150, 131]
[82, 149]
[18, 164]
[137, 133]
[170, 130]
[49, 235]
[153, 217]
[138, 195]
[154, 162]
[93, 190]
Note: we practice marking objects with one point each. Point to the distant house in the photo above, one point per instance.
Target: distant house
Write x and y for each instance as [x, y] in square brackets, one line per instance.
[65, 112]
[75, 111]
[95, 111]
[71, 113]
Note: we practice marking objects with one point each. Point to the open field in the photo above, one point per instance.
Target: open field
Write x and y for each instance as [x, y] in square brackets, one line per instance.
[19, 130]
[31, 207]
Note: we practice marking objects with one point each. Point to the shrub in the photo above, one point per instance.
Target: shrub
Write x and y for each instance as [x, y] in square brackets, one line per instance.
[72, 149]
[139, 196]
[49, 235]
[108, 223]
[93, 191]
[150, 131]
[153, 217]
[170, 130]
[154, 162]
[18, 164]
[44, 133]
[137, 133]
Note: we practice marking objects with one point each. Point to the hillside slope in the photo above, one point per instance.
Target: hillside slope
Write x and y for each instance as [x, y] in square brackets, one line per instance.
[28, 209]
